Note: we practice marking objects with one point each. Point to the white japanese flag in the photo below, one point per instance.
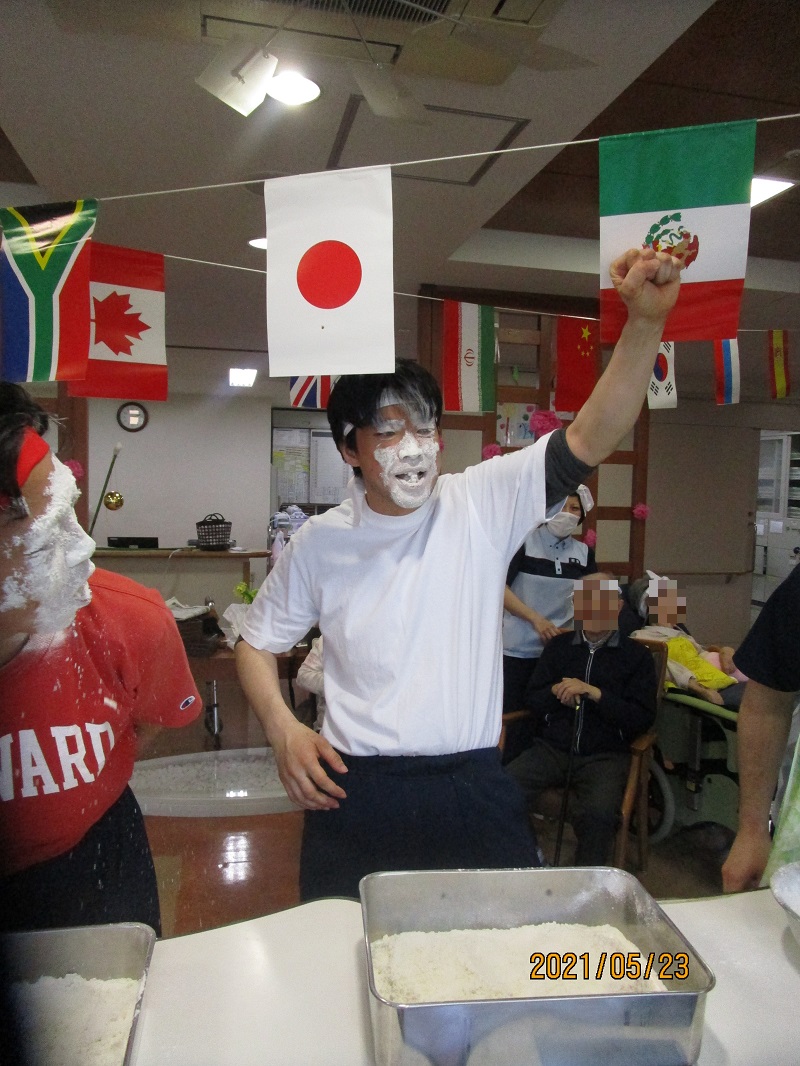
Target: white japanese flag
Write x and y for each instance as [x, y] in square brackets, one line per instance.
[662, 391]
[330, 302]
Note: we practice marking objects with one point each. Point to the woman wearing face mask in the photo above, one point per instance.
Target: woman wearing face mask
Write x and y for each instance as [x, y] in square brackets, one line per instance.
[538, 596]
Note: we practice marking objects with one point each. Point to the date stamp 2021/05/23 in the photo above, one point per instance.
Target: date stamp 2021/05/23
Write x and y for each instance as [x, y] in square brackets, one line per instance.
[569, 966]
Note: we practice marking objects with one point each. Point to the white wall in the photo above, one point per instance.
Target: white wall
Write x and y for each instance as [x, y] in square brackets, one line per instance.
[198, 454]
[702, 483]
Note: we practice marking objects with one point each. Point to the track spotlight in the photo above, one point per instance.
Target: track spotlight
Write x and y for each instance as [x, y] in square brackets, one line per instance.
[240, 75]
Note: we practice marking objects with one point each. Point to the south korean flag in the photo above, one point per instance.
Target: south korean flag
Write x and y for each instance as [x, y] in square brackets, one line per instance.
[662, 391]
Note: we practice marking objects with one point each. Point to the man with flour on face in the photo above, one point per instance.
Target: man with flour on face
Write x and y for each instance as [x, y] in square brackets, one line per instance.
[406, 580]
[89, 661]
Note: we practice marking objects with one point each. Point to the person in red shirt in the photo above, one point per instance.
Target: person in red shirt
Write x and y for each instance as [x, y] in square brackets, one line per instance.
[90, 662]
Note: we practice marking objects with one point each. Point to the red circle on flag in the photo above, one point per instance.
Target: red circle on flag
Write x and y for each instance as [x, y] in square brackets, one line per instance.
[661, 369]
[329, 274]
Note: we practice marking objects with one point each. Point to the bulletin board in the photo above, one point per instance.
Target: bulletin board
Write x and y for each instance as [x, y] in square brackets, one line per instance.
[306, 464]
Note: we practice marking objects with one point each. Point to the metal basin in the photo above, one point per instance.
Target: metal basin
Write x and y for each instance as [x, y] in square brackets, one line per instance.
[785, 885]
[101, 951]
[620, 1029]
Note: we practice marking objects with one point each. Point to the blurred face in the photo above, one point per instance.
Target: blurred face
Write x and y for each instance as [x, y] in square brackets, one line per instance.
[669, 607]
[573, 506]
[597, 603]
[399, 460]
[45, 559]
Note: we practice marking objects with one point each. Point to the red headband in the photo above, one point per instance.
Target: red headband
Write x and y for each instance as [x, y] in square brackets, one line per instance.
[34, 449]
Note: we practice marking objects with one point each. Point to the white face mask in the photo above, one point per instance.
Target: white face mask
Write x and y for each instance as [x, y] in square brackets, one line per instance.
[57, 560]
[409, 469]
[562, 524]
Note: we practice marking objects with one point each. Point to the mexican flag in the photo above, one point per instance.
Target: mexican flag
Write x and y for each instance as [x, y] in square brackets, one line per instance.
[685, 191]
[469, 349]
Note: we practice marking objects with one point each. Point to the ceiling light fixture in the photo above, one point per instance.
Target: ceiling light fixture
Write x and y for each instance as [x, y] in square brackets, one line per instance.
[763, 189]
[239, 75]
[242, 379]
[258, 242]
[290, 87]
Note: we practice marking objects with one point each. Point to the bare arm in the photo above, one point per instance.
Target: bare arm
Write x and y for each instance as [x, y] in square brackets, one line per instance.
[648, 283]
[763, 730]
[298, 749]
[543, 626]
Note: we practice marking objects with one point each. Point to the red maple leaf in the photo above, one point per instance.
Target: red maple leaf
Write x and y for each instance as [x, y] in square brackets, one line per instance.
[115, 324]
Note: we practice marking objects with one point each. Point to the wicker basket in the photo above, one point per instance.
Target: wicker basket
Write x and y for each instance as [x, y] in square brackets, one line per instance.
[213, 533]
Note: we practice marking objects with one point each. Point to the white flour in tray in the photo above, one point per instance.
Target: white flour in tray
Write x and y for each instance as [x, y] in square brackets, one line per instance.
[210, 775]
[75, 1021]
[468, 964]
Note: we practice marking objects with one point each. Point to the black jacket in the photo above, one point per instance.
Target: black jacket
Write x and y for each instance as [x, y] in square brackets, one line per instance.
[622, 669]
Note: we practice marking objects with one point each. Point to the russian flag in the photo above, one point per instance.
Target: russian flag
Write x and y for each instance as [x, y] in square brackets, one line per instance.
[726, 367]
[313, 391]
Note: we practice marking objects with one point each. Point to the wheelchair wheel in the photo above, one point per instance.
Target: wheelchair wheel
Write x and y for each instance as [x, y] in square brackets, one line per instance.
[661, 806]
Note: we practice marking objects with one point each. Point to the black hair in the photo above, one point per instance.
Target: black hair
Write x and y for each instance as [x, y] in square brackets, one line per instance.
[355, 399]
[18, 412]
[638, 598]
[580, 504]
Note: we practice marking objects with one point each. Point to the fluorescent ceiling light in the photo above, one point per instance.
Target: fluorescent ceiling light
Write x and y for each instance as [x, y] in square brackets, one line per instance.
[765, 188]
[292, 88]
[241, 378]
[258, 242]
[239, 75]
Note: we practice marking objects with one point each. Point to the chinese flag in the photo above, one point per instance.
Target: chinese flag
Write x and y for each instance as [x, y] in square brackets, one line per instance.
[577, 340]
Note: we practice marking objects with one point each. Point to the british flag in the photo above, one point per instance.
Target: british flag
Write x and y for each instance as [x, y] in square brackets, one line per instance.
[312, 391]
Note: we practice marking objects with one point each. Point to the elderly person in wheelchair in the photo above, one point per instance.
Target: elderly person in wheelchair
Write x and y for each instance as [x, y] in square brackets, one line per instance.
[708, 673]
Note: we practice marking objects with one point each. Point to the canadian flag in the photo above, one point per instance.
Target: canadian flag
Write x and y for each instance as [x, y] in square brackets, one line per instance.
[330, 299]
[127, 352]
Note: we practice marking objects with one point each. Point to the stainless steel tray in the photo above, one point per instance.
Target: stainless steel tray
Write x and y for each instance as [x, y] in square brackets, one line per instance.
[102, 951]
[621, 1029]
[785, 885]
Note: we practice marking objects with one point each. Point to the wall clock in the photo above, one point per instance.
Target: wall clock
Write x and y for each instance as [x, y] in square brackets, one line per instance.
[133, 416]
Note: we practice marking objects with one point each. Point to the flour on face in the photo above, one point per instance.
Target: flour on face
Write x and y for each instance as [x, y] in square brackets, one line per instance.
[409, 466]
[56, 559]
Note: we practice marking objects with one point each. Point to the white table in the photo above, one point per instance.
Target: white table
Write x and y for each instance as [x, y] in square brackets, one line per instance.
[290, 989]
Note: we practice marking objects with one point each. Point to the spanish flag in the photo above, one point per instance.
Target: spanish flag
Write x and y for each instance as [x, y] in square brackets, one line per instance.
[779, 384]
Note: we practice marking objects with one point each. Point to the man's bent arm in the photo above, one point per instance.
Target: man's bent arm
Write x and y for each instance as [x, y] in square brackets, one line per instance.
[297, 748]
[648, 283]
[762, 730]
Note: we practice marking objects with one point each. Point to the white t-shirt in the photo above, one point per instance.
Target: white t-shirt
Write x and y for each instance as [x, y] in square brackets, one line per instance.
[410, 608]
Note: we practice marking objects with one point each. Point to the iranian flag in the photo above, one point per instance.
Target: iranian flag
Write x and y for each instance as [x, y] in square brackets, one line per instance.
[469, 348]
[127, 353]
[687, 192]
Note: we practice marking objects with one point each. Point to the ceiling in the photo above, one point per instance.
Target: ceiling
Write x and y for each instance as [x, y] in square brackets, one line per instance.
[99, 99]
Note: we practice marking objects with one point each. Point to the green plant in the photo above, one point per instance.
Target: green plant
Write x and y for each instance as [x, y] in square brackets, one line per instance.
[244, 592]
